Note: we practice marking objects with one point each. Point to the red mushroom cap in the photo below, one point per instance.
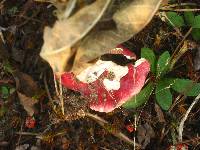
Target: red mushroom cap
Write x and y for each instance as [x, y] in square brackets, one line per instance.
[108, 85]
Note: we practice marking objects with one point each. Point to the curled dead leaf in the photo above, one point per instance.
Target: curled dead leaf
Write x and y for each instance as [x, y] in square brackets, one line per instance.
[65, 33]
[127, 18]
[28, 103]
[26, 89]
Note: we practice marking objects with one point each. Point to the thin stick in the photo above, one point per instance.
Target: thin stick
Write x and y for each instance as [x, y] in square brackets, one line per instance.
[180, 10]
[55, 85]
[61, 96]
[180, 129]
[181, 4]
[118, 134]
[47, 88]
[27, 133]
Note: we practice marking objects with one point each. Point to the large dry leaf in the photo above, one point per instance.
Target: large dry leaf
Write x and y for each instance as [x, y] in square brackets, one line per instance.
[65, 33]
[26, 89]
[129, 20]
[127, 17]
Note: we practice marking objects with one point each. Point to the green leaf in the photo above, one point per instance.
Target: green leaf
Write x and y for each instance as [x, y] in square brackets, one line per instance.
[196, 23]
[196, 34]
[4, 92]
[175, 20]
[163, 94]
[189, 18]
[163, 64]
[148, 54]
[186, 87]
[7, 67]
[140, 98]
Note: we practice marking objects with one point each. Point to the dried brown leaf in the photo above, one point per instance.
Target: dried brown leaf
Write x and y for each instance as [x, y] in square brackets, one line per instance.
[65, 33]
[28, 103]
[159, 113]
[127, 18]
[144, 134]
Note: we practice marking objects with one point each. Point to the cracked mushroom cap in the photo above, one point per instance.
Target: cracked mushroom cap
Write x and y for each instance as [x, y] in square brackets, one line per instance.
[108, 85]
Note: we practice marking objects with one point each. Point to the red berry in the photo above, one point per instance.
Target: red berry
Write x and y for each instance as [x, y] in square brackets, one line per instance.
[130, 128]
[30, 122]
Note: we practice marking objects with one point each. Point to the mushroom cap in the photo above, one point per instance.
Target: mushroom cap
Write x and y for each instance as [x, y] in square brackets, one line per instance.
[108, 85]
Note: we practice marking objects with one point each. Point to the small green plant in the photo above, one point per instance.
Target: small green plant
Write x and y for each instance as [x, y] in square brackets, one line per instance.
[187, 19]
[161, 84]
[4, 90]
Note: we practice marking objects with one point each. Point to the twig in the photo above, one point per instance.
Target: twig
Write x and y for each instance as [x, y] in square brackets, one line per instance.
[20, 136]
[180, 129]
[56, 85]
[118, 134]
[178, 52]
[27, 133]
[61, 96]
[180, 10]
[47, 88]
[179, 4]
[163, 14]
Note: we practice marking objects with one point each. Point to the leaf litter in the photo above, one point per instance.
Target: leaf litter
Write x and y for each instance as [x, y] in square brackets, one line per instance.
[72, 131]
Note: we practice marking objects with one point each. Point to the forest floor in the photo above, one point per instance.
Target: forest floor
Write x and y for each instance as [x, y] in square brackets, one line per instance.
[23, 71]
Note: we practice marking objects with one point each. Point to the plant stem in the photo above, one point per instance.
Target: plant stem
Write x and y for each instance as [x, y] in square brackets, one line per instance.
[180, 129]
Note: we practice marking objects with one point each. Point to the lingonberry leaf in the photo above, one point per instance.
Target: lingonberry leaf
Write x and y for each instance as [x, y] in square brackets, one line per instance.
[163, 64]
[175, 20]
[196, 23]
[163, 94]
[196, 34]
[148, 54]
[189, 18]
[186, 87]
[141, 97]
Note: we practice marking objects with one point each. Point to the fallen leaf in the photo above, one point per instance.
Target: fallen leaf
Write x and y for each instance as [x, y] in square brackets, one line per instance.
[65, 33]
[28, 103]
[125, 18]
[159, 113]
[144, 134]
[26, 89]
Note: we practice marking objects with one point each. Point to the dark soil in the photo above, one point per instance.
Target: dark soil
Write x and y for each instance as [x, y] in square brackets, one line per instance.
[24, 22]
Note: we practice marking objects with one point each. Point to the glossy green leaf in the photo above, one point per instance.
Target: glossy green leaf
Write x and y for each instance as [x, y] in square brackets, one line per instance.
[148, 54]
[189, 18]
[140, 98]
[196, 34]
[175, 20]
[163, 64]
[163, 94]
[186, 87]
[196, 23]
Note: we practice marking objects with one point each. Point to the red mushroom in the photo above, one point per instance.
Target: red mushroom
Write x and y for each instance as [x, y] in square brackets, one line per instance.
[108, 85]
